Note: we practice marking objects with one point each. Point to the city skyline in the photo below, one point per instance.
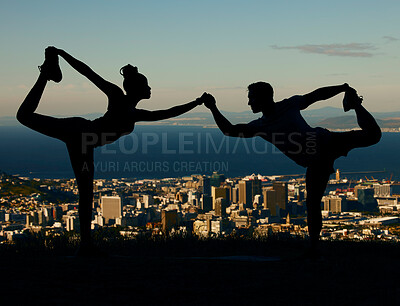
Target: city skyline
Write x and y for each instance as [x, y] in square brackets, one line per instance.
[186, 48]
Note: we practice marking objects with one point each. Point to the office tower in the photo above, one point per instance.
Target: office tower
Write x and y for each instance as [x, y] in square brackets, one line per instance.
[229, 192]
[29, 220]
[35, 217]
[208, 217]
[220, 207]
[235, 194]
[384, 190]
[298, 193]
[281, 189]
[255, 187]
[206, 203]
[366, 198]
[332, 204]
[41, 218]
[269, 196]
[216, 179]
[258, 200]
[245, 193]
[111, 208]
[48, 213]
[148, 200]
[72, 223]
[193, 198]
[205, 185]
[219, 192]
[169, 219]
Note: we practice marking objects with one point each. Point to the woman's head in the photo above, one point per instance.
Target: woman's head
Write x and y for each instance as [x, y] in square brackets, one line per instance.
[135, 83]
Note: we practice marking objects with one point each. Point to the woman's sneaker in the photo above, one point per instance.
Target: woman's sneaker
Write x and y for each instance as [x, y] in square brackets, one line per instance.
[351, 99]
[50, 67]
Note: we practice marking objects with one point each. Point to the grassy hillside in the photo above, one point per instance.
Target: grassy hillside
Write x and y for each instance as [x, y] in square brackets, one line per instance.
[188, 271]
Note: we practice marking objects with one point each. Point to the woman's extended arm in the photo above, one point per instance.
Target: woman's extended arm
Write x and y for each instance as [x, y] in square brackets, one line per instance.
[146, 115]
[107, 87]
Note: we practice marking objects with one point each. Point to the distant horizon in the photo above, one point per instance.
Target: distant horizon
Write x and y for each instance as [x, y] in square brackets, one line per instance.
[26, 151]
[205, 111]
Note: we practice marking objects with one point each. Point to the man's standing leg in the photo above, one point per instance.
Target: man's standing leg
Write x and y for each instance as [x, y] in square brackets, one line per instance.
[316, 181]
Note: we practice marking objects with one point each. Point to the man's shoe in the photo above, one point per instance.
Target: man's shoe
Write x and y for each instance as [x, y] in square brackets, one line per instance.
[351, 100]
[50, 67]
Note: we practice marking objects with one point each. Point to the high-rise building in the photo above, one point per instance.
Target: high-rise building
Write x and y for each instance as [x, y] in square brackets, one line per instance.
[42, 218]
[216, 179]
[258, 200]
[235, 194]
[206, 203]
[193, 198]
[256, 187]
[384, 190]
[48, 214]
[219, 192]
[245, 193]
[111, 208]
[298, 193]
[57, 213]
[333, 204]
[220, 207]
[366, 198]
[281, 189]
[72, 223]
[269, 196]
[169, 219]
[148, 200]
[205, 185]
[229, 190]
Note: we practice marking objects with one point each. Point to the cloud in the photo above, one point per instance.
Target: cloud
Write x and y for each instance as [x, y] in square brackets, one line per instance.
[348, 50]
[390, 38]
[337, 74]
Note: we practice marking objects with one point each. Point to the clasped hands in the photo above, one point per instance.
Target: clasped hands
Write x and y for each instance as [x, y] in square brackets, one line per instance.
[207, 99]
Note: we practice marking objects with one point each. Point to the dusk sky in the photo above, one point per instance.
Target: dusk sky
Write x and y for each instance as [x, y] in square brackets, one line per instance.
[188, 47]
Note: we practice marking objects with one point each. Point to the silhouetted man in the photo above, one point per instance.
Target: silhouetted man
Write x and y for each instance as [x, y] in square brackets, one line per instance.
[314, 148]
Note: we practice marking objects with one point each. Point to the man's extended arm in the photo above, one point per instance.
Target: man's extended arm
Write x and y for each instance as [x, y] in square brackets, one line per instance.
[229, 129]
[323, 93]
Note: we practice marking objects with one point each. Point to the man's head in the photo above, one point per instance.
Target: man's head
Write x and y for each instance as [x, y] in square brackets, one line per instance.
[261, 96]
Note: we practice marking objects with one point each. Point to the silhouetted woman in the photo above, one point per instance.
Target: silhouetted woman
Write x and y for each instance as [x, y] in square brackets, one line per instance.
[81, 135]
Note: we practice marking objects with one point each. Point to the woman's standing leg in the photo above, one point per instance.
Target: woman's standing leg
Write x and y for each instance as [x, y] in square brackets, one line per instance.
[82, 164]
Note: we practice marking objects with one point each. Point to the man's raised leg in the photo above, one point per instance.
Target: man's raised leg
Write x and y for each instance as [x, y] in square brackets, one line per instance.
[368, 125]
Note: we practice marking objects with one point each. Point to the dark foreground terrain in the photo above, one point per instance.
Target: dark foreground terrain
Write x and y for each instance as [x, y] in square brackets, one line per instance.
[188, 271]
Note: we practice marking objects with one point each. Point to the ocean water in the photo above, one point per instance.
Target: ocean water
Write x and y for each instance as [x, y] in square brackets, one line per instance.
[159, 152]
